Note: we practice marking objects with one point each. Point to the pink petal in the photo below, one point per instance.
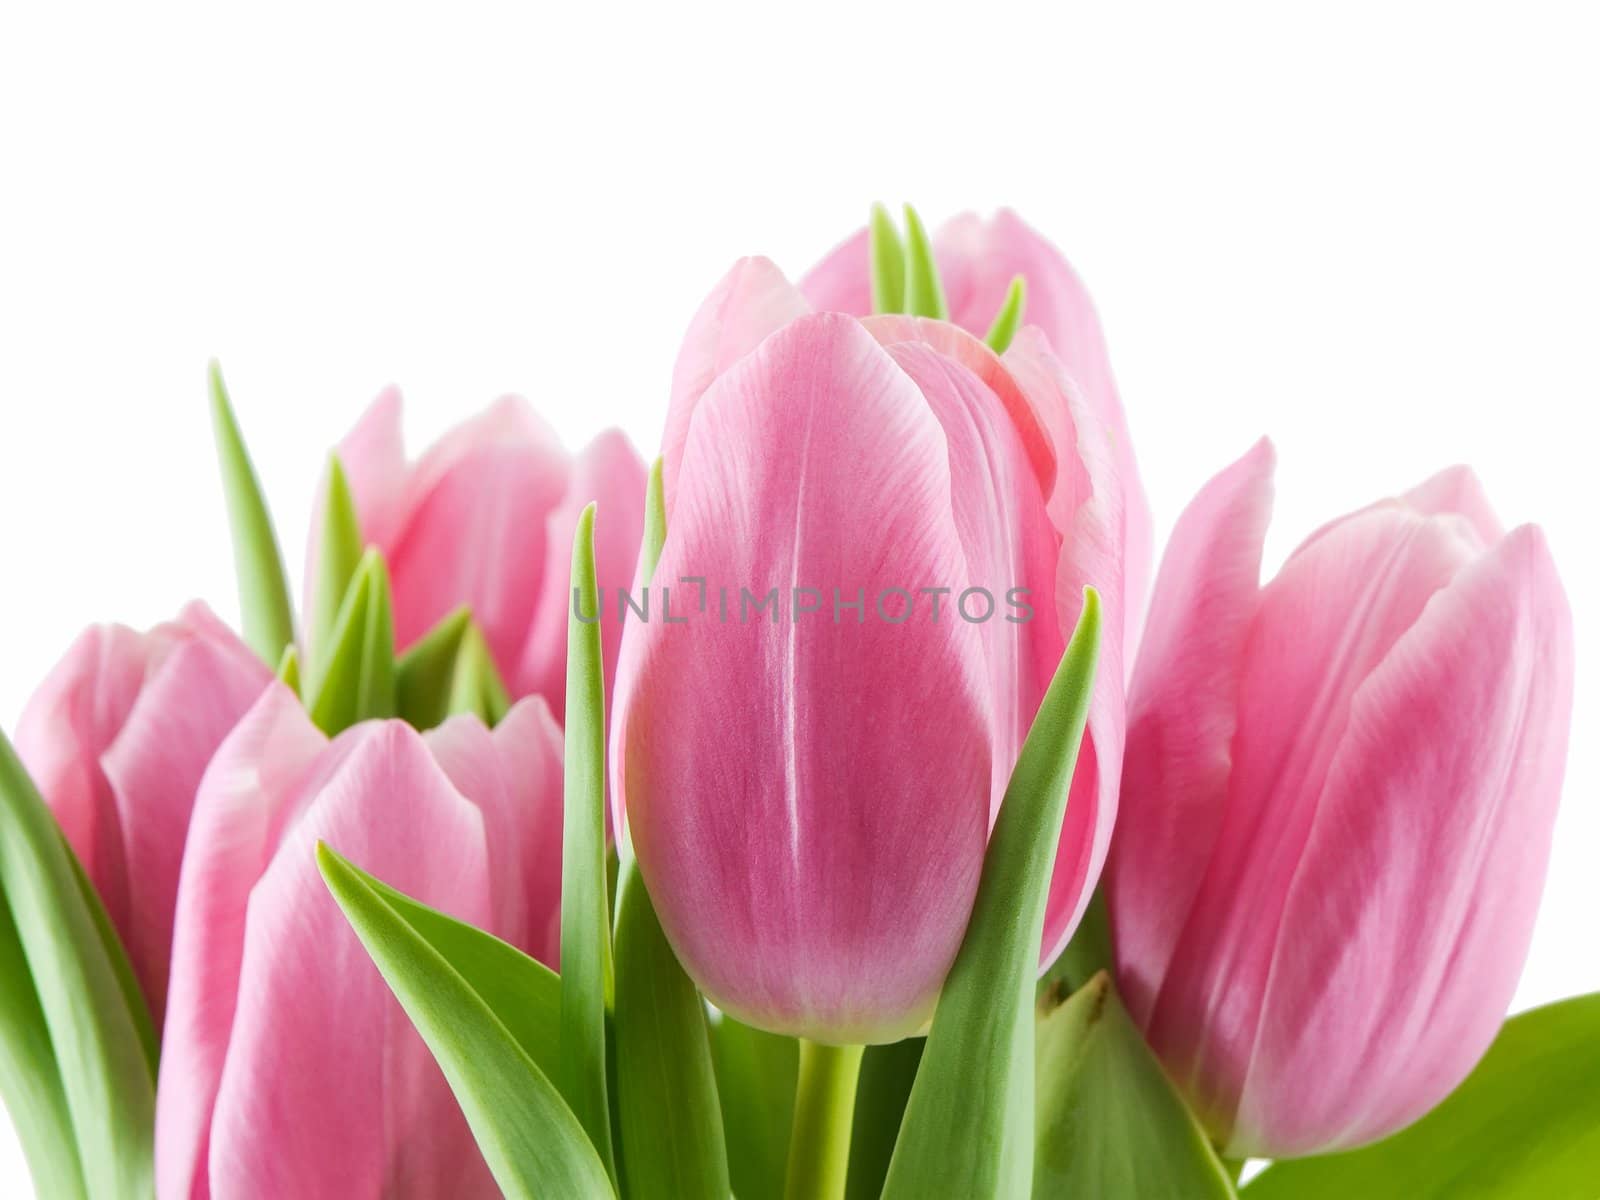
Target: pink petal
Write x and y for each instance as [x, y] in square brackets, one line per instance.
[750, 302]
[842, 281]
[610, 474]
[1424, 862]
[1181, 719]
[811, 843]
[474, 529]
[1457, 490]
[327, 1090]
[1331, 616]
[243, 802]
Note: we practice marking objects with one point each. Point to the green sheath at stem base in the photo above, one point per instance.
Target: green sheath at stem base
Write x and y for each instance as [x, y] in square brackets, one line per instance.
[824, 1108]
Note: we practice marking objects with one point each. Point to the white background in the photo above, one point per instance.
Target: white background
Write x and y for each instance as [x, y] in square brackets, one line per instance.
[1368, 230]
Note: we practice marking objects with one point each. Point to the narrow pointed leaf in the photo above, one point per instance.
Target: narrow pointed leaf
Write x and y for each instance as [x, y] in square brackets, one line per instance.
[1108, 1122]
[289, 668]
[121, 965]
[586, 973]
[448, 671]
[968, 1128]
[1009, 319]
[756, 1077]
[30, 1080]
[99, 1047]
[884, 1087]
[264, 608]
[355, 681]
[888, 263]
[1525, 1125]
[924, 293]
[338, 558]
[672, 1137]
[655, 523]
[530, 1139]
[475, 686]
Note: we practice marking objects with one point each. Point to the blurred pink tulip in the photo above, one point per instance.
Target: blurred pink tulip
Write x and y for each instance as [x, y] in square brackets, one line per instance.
[1337, 806]
[809, 793]
[485, 518]
[287, 1067]
[117, 738]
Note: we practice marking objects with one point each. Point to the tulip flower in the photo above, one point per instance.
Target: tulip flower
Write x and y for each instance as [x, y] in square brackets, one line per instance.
[1337, 806]
[287, 1067]
[809, 787]
[485, 519]
[117, 738]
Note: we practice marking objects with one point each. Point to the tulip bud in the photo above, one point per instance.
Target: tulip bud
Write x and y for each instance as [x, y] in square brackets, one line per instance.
[117, 738]
[288, 1068]
[1337, 806]
[484, 519]
[812, 741]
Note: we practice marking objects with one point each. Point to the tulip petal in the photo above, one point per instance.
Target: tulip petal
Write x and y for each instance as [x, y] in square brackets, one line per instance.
[1181, 720]
[316, 1100]
[1457, 490]
[240, 810]
[842, 281]
[752, 300]
[842, 481]
[1449, 773]
[1332, 614]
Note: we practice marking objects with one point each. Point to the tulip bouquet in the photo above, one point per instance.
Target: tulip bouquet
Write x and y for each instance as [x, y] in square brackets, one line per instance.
[825, 811]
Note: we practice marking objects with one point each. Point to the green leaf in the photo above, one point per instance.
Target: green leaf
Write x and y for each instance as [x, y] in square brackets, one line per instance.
[101, 1051]
[756, 1077]
[530, 1139]
[887, 1073]
[586, 973]
[30, 1080]
[1525, 1125]
[655, 523]
[672, 1138]
[1087, 954]
[338, 557]
[264, 607]
[924, 293]
[289, 667]
[1009, 319]
[448, 671]
[888, 256]
[1108, 1121]
[355, 680]
[968, 1129]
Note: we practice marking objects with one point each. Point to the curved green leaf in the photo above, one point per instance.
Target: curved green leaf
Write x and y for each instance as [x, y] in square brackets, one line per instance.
[1009, 319]
[757, 1073]
[884, 1087]
[1108, 1122]
[264, 608]
[586, 972]
[968, 1128]
[530, 1139]
[1525, 1125]
[888, 259]
[924, 293]
[101, 1050]
[338, 557]
[672, 1137]
[354, 680]
[448, 671]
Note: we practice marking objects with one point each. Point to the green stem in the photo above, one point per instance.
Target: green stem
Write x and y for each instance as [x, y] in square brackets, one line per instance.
[824, 1107]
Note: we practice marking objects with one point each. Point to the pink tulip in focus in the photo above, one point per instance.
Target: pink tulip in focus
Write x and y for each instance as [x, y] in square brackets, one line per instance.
[810, 786]
[117, 738]
[485, 519]
[1337, 806]
[287, 1067]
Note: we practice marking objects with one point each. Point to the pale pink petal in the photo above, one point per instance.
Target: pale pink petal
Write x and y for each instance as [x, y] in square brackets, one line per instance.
[751, 301]
[798, 789]
[842, 281]
[327, 1090]
[1413, 903]
[1181, 719]
[242, 804]
[1457, 490]
[609, 474]
[1323, 625]
[474, 528]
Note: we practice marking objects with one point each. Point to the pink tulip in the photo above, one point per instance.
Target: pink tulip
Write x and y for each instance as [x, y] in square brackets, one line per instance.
[1337, 806]
[809, 798]
[287, 1067]
[117, 737]
[485, 518]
